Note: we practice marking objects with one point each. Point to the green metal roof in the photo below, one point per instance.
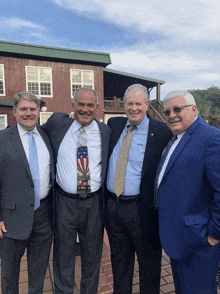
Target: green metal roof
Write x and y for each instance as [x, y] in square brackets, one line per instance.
[6, 103]
[55, 52]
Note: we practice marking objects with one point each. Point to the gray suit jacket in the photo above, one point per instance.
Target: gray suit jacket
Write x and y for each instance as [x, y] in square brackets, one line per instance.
[17, 187]
[58, 125]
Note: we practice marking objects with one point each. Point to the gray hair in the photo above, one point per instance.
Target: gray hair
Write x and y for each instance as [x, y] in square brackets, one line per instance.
[134, 87]
[185, 94]
[26, 96]
[85, 88]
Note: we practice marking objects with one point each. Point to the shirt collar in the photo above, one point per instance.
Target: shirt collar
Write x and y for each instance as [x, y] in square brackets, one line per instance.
[77, 126]
[23, 132]
[143, 123]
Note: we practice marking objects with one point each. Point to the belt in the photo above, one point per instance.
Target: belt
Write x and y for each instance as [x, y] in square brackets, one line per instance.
[124, 199]
[75, 196]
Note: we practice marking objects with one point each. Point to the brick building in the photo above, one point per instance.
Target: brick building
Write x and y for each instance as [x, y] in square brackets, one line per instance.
[56, 73]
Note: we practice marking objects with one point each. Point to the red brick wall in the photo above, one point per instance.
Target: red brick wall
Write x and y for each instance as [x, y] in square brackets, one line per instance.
[10, 116]
[15, 81]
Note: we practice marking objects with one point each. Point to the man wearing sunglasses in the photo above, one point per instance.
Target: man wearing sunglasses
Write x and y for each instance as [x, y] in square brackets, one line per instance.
[188, 196]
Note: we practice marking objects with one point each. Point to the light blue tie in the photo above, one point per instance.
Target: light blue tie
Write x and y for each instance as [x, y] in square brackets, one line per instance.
[33, 163]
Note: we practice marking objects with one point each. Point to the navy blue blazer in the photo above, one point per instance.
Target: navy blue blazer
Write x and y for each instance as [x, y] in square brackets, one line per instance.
[158, 136]
[189, 193]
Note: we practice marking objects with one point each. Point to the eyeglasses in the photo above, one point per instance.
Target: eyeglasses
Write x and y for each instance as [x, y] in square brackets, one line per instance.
[176, 110]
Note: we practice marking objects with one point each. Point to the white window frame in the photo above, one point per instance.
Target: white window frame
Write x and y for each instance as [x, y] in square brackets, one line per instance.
[3, 79]
[82, 82]
[44, 116]
[5, 121]
[39, 81]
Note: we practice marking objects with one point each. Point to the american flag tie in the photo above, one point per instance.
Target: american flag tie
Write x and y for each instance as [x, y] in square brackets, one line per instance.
[83, 174]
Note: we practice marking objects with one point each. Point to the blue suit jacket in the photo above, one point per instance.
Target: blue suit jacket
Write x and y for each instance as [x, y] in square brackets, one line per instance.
[189, 193]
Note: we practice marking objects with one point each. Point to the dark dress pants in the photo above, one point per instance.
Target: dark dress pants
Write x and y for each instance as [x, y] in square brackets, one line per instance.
[125, 239]
[196, 274]
[82, 216]
[38, 251]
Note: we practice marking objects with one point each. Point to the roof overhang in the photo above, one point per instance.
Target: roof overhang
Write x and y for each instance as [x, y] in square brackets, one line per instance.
[116, 82]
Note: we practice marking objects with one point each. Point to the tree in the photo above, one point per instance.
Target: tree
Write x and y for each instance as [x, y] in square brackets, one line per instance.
[208, 102]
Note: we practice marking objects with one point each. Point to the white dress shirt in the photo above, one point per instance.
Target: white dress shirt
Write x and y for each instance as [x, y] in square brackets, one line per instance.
[67, 159]
[43, 158]
[173, 147]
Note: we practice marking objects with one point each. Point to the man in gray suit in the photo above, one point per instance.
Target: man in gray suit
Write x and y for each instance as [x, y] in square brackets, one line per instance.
[26, 197]
[80, 149]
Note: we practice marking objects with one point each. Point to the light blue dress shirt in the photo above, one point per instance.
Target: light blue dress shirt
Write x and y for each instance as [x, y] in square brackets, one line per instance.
[43, 158]
[135, 158]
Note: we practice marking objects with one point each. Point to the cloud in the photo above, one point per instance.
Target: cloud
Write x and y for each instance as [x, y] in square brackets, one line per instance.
[210, 76]
[175, 41]
[195, 19]
[16, 23]
[181, 69]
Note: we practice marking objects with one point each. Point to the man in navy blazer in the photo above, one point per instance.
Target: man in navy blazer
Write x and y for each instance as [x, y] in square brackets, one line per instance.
[75, 214]
[188, 197]
[23, 223]
[132, 221]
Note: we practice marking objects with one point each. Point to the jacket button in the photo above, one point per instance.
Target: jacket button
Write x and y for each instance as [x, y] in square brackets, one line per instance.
[32, 185]
[32, 205]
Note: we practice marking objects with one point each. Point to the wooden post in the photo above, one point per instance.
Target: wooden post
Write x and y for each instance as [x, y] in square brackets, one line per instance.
[115, 102]
[158, 92]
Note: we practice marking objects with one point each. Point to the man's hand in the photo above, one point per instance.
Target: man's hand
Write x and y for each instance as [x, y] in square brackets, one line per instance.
[2, 229]
[71, 115]
[212, 241]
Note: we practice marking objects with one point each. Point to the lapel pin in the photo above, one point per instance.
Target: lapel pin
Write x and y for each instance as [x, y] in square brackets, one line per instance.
[152, 134]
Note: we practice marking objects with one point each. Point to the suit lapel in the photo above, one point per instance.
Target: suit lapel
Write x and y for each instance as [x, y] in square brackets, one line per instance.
[60, 132]
[63, 130]
[177, 152]
[19, 149]
[47, 142]
[183, 142]
[116, 133]
[152, 140]
[104, 148]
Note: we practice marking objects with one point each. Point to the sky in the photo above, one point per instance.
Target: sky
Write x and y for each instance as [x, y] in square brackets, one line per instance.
[177, 41]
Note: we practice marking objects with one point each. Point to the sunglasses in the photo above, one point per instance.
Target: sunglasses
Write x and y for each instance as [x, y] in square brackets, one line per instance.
[176, 110]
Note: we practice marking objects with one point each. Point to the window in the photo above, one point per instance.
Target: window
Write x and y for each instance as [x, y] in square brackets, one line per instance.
[81, 78]
[44, 117]
[3, 121]
[2, 80]
[39, 80]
